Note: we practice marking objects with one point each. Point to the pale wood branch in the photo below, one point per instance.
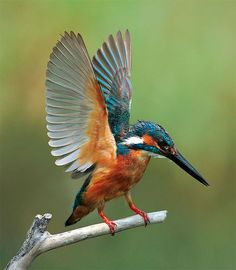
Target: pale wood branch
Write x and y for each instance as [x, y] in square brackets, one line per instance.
[38, 240]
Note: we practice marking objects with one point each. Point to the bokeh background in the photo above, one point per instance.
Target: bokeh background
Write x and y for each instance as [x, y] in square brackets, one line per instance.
[183, 74]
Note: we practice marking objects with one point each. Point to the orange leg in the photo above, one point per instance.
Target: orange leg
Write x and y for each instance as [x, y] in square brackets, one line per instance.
[110, 224]
[136, 210]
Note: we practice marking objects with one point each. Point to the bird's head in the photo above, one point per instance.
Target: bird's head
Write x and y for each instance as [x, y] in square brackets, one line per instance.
[153, 139]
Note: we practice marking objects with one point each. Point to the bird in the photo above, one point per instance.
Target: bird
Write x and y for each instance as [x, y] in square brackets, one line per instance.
[88, 104]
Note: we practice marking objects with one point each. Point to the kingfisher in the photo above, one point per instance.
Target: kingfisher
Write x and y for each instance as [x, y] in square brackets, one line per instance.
[88, 106]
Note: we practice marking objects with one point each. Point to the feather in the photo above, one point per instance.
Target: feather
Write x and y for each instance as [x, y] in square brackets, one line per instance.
[68, 159]
[76, 112]
[112, 65]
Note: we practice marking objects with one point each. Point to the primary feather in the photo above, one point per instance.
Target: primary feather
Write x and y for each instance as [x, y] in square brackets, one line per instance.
[76, 112]
[112, 66]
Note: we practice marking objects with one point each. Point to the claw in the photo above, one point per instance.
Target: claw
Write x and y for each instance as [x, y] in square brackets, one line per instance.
[111, 226]
[110, 223]
[145, 217]
[141, 213]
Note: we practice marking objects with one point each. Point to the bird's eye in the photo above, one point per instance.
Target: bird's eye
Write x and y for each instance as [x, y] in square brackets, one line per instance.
[163, 145]
[166, 148]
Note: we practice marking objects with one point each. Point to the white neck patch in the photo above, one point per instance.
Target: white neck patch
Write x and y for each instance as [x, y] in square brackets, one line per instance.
[133, 140]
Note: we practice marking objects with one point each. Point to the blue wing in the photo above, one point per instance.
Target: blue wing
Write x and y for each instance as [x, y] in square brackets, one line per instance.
[112, 66]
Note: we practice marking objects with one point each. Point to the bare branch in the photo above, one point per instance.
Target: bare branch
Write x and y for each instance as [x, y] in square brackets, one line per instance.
[38, 240]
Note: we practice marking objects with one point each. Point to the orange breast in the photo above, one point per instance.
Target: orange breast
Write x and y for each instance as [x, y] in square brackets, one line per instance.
[120, 177]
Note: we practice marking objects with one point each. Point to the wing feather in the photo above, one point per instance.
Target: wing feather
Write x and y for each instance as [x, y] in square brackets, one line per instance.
[112, 67]
[77, 117]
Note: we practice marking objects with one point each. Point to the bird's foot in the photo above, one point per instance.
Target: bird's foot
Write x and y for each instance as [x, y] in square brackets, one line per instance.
[141, 213]
[111, 226]
[145, 217]
[110, 223]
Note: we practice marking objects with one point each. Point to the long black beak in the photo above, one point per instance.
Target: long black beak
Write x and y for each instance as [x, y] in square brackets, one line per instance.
[185, 165]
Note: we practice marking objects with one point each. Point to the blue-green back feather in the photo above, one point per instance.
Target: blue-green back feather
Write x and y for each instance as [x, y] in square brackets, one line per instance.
[79, 196]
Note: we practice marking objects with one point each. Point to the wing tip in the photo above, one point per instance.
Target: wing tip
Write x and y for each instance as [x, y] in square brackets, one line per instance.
[127, 32]
[58, 161]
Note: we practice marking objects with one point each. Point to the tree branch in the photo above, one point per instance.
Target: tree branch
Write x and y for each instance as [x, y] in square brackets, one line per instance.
[38, 240]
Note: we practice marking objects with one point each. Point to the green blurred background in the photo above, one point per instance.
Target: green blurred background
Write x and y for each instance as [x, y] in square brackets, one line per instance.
[184, 55]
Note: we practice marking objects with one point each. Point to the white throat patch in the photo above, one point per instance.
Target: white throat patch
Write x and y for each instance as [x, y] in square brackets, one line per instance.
[133, 140]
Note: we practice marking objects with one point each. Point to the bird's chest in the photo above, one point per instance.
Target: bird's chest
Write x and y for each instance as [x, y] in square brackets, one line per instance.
[115, 181]
[130, 168]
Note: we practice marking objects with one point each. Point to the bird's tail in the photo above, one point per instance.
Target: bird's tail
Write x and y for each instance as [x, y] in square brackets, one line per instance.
[80, 209]
[79, 212]
[71, 220]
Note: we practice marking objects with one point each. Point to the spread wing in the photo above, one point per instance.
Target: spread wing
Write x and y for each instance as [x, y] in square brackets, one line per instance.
[112, 66]
[76, 112]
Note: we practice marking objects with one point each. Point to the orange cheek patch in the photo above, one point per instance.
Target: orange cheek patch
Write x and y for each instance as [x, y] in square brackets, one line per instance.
[149, 140]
